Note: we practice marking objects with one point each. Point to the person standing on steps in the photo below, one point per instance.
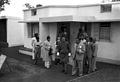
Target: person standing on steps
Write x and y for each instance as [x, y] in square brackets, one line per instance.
[36, 47]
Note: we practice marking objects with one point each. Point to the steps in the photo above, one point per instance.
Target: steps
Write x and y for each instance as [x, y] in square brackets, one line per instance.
[26, 51]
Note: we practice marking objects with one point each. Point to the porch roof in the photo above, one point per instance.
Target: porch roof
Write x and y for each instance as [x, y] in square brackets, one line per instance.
[76, 19]
[70, 18]
[67, 19]
[29, 21]
[107, 20]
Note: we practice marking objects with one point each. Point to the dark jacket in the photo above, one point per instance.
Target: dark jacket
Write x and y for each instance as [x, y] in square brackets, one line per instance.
[64, 49]
[89, 50]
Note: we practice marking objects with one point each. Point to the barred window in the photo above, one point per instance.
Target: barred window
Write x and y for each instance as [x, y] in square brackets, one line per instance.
[104, 31]
[115, 0]
[106, 8]
[33, 12]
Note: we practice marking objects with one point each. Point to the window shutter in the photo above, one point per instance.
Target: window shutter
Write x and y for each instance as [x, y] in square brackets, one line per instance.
[96, 31]
[105, 31]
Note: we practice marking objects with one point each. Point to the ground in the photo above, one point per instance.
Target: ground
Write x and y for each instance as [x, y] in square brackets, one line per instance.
[23, 70]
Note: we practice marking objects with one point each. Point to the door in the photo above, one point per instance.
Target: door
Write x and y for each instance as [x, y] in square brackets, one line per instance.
[3, 30]
[86, 27]
[64, 30]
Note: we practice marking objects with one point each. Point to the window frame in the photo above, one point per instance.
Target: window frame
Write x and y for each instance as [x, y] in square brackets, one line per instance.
[115, 0]
[31, 29]
[106, 8]
[102, 27]
[33, 12]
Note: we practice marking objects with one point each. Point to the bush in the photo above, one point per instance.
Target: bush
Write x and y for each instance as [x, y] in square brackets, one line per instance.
[3, 45]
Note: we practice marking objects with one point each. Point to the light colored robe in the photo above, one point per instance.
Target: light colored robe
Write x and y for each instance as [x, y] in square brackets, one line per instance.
[34, 44]
[45, 50]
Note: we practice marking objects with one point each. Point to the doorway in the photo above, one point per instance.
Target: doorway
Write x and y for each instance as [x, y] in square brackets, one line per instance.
[63, 29]
[85, 28]
[3, 30]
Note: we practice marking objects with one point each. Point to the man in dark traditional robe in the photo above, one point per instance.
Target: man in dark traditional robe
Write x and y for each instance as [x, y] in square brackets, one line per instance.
[64, 49]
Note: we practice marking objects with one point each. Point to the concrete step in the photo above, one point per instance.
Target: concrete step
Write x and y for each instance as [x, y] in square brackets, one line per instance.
[26, 51]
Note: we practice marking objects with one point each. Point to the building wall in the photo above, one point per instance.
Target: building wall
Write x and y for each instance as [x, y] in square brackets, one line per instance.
[96, 11]
[44, 31]
[27, 41]
[107, 49]
[53, 33]
[62, 11]
[15, 32]
[40, 13]
[3, 30]
[110, 49]
[93, 10]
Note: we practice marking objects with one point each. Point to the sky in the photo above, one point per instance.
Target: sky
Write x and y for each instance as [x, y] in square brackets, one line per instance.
[16, 7]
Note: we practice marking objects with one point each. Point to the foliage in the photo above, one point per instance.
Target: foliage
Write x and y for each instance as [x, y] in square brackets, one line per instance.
[2, 4]
[28, 5]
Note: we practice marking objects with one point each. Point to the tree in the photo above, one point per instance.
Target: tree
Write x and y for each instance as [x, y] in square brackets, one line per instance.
[28, 5]
[2, 4]
[38, 5]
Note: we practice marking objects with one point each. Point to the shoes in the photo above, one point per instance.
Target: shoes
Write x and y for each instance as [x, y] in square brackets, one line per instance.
[35, 62]
[64, 71]
[80, 75]
[73, 73]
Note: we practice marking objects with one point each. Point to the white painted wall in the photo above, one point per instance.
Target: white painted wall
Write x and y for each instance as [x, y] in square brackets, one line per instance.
[62, 11]
[96, 11]
[93, 10]
[44, 31]
[27, 41]
[44, 12]
[15, 32]
[110, 49]
[53, 33]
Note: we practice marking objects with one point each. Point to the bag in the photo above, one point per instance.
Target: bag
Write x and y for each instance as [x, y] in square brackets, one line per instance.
[50, 52]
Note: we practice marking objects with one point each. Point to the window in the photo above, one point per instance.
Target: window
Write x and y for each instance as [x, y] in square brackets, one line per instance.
[115, 0]
[104, 31]
[32, 29]
[106, 8]
[33, 12]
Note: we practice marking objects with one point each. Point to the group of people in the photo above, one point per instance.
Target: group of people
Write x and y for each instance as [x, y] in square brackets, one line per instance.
[84, 55]
[41, 50]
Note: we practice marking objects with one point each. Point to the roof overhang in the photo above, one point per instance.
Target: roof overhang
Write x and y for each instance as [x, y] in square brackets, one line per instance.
[76, 19]
[67, 19]
[70, 19]
[29, 21]
[107, 20]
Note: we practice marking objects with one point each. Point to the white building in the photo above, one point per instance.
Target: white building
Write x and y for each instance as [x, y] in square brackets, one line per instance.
[11, 31]
[101, 21]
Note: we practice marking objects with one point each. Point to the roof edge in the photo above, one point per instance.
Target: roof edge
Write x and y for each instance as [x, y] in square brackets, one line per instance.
[72, 6]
